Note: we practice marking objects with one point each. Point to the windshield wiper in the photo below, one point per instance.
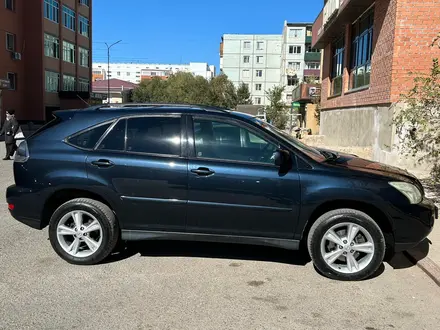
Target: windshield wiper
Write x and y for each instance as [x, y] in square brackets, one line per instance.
[328, 155]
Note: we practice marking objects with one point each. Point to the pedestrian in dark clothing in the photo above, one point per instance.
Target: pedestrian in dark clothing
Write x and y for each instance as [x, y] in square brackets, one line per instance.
[10, 128]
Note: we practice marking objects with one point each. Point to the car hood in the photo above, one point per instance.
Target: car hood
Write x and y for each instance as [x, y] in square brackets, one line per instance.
[353, 162]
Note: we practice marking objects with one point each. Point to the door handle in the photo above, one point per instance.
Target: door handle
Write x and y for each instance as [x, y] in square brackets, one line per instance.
[103, 163]
[202, 171]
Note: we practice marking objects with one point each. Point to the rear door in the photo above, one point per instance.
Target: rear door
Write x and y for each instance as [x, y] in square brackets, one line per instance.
[140, 159]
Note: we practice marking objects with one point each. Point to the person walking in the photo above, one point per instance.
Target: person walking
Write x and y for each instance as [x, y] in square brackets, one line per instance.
[10, 128]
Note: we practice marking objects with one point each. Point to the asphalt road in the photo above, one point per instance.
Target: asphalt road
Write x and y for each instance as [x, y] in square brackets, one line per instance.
[165, 285]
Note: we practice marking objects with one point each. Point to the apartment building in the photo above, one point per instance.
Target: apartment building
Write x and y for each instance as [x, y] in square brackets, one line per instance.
[370, 49]
[264, 61]
[254, 60]
[46, 57]
[136, 72]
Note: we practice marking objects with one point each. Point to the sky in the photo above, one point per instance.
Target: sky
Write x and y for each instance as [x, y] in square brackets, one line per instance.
[154, 31]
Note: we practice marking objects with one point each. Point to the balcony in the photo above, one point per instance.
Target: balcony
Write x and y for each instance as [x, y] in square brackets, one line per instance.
[330, 22]
[305, 92]
[312, 57]
[308, 39]
[312, 72]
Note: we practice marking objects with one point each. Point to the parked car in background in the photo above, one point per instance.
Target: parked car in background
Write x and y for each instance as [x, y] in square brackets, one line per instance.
[184, 172]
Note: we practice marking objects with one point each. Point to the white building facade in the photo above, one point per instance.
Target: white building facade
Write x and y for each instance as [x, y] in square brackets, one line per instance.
[135, 72]
[264, 61]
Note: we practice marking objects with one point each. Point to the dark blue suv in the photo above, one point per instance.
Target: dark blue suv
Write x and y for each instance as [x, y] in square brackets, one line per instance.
[183, 172]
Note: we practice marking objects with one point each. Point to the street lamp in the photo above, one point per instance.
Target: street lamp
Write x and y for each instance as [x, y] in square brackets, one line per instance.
[108, 69]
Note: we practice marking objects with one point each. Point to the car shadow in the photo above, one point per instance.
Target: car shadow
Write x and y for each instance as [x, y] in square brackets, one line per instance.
[410, 258]
[208, 250]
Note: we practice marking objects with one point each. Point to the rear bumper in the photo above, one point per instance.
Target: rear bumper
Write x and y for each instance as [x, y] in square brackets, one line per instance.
[413, 224]
[26, 205]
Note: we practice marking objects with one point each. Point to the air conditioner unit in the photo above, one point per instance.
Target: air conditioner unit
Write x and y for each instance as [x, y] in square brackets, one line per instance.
[16, 56]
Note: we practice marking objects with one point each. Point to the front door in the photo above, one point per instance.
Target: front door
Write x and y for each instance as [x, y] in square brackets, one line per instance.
[234, 187]
[140, 159]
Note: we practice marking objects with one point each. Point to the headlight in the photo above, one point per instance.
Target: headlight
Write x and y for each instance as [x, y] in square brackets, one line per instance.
[409, 190]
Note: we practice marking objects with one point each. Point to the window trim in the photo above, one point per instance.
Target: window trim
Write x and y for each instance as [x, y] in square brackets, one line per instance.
[12, 4]
[50, 3]
[232, 121]
[134, 116]
[15, 81]
[59, 45]
[75, 17]
[6, 44]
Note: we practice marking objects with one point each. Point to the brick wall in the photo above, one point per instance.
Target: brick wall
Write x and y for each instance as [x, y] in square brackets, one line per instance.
[417, 24]
[381, 63]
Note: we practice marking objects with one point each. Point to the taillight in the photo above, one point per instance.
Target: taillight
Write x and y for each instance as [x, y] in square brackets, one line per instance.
[11, 207]
[22, 153]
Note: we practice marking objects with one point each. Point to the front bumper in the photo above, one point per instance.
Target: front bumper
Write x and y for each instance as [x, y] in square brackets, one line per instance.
[413, 223]
[26, 205]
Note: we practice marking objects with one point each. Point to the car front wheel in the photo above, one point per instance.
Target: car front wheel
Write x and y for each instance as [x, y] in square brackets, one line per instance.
[83, 231]
[346, 244]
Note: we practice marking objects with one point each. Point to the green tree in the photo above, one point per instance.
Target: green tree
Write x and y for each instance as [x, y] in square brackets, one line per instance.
[184, 87]
[276, 111]
[222, 92]
[243, 94]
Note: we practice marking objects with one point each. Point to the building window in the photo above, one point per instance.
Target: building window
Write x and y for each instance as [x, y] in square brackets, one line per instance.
[313, 65]
[128, 74]
[260, 45]
[51, 46]
[259, 59]
[289, 98]
[68, 52]
[259, 73]
[85, 2]
[118, 73]
[295, 66]
[292, 80]
[10, 4]
[258, 87]
[246, 74]
[246, 59]
[68, 83]
[52, 81]
[69, 18]
[10, 42]
[83, 26]
[258, 100]
[338, 50]
[294, 49]
[362, 41]
[295, 33]
[12, 77]
[247, 45]
[246, 86]
[84, 85]
[51, 10]
[84, 57]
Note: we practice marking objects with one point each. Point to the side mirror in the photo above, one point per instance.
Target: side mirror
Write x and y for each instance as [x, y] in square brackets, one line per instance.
[280, 157]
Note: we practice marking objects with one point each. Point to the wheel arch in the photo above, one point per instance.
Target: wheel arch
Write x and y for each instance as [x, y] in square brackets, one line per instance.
[380, 217]
[59, 197]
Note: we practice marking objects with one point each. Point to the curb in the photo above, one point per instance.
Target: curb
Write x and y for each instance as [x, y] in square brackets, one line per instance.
[426, 264]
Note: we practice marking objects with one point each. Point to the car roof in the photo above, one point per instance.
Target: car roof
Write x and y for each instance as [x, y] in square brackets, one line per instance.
[134, 108]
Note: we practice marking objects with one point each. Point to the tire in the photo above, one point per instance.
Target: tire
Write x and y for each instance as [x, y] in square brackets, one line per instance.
[368, 262]
[106, 237]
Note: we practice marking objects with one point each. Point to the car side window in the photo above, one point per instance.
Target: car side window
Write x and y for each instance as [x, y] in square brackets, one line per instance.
[219, 140]
[154, 135]
[89, 138]
[115, 139]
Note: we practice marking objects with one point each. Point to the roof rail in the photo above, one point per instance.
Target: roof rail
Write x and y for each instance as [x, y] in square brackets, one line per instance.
[138, 105]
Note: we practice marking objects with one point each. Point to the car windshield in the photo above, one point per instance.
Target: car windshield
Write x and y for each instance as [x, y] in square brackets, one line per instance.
[310, 151]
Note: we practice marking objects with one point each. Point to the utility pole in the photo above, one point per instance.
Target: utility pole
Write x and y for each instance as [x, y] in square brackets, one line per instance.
[108, 68]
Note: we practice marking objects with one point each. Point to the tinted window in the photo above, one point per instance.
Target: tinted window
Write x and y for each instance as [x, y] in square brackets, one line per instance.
[115, 139]
[230, 142]
[155, 135]
[89, 138]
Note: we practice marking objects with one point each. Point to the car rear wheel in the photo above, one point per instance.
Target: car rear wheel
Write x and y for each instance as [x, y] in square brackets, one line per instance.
[83, 231]
[346, 244]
